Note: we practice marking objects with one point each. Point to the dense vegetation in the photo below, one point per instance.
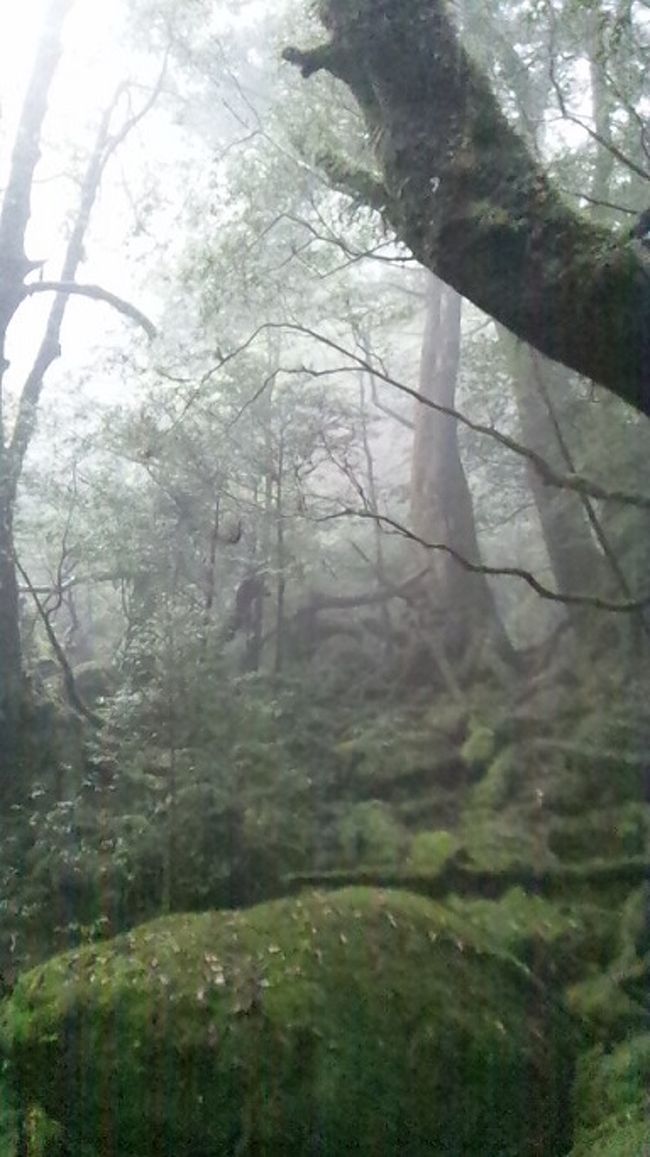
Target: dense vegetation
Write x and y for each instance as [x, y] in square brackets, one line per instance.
[324, 740]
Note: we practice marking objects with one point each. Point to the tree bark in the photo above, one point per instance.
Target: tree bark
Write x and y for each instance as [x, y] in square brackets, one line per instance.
[441, 501]
[577, 565]
[465, 194]
[10, 648]
[280, 558]
[14, 268]
[381, 574]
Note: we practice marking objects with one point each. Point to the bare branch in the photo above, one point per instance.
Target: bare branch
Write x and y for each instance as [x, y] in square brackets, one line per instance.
[72, 693]
[551, 477]
[68, 584]
[96, 293]
[120, 136]
[544, 592]
[50, 349]
[604, 142]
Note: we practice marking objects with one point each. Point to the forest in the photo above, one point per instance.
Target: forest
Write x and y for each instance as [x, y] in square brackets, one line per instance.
[325, 578]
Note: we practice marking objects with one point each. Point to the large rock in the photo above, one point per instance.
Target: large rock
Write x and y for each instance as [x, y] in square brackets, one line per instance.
[356, 1022]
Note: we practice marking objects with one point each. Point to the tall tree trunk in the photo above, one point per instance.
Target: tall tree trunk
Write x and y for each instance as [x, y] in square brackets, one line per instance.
[601, 103]
[10, 650]
[381, 577]
[577, 564]
[14, 268]
[578, 549]
[441, 502]
[280, 559]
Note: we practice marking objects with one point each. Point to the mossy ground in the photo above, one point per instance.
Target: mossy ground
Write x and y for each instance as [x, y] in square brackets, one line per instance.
[361, 1021]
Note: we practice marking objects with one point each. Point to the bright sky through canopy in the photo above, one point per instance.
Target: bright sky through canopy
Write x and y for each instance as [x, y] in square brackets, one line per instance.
[95, 60]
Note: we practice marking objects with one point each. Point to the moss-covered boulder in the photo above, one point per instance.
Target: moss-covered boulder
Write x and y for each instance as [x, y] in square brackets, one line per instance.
[356, 1022]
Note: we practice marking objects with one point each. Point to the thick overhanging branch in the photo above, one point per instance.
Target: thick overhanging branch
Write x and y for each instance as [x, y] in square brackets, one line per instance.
[96, 293]
[472, 204]
[358, 182]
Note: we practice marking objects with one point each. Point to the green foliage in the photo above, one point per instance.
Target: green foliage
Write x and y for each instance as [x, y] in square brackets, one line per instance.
[430, 851]
[479, 747]
[369, 834]
[358, 1021]
[605, 1009]
[614, 832]
[496, 786]
[625, 1136]
[558, 941]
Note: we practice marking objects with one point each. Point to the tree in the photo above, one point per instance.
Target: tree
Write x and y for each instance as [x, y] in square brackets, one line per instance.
[465, 193]
[15, 270]
[441, 502]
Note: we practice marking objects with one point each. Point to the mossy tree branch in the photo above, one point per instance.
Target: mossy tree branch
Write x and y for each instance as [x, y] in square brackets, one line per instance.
[473, 205]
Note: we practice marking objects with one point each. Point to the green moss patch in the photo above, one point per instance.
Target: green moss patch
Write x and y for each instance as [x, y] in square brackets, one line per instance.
[361, 1021]
[612, 1101]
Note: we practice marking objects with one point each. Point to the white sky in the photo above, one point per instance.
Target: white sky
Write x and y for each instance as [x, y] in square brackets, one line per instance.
[94, 62]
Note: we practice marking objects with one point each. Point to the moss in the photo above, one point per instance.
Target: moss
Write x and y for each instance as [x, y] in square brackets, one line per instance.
[359, 1021]
[431, 851]
[611, 1100]
[614, 832]
[7, 1124]
[605, 1009]
[369, 834]
[497, 841]
[496, 824]
[40, 1132]
[399, 746]
[496, 787]
[634, 930]
[479, 747]
[564, 942]
[612, 1083]
[616, 1138]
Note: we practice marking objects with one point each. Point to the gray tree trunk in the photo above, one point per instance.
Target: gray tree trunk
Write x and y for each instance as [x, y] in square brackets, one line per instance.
[442, 510]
